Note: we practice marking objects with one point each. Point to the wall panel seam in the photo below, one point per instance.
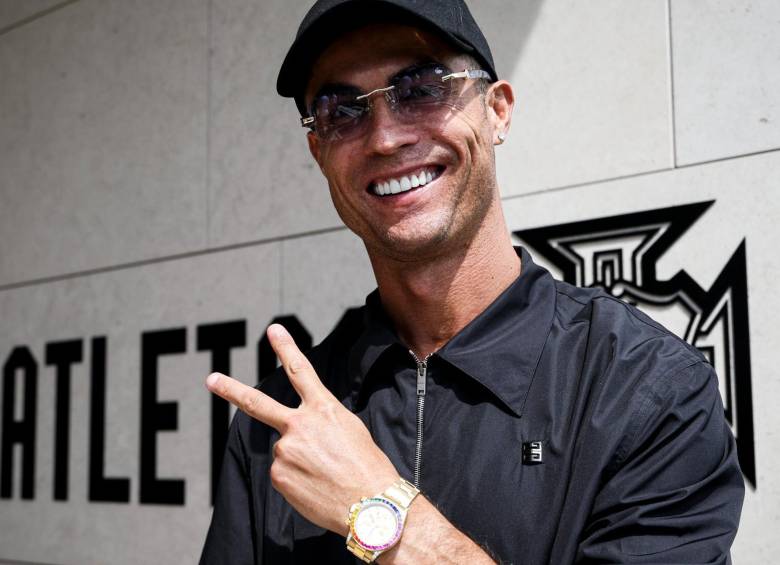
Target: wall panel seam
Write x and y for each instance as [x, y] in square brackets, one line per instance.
[18, 562]
[641, 174]
[33, 17]
[672, 113]
[167, 258]
[281, 277]
[586, 183]
[209, 121]
[728, 158]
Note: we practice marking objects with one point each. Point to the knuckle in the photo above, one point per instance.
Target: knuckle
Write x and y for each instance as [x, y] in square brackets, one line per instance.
[250, 401]
[296, 366]
[293, 424]
[278, 449]
[328, 409]
[322, 409]
[277, 476]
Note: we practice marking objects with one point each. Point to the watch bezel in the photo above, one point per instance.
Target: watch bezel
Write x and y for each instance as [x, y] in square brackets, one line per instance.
[399, 523]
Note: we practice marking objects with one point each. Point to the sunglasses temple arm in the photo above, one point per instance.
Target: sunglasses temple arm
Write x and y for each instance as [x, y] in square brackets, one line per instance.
[468, 73]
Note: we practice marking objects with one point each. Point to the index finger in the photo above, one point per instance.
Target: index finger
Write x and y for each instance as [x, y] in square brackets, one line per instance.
[302, 375]
[256, 404]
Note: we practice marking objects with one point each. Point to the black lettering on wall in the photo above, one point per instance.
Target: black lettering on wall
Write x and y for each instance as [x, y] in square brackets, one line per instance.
[157, 416]
[101, 488]
[20, 431]
[220, 338]
[62, 355]
[266, 358]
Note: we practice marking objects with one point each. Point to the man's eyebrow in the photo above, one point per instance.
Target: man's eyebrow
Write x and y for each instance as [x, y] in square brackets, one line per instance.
[414, 67]
[337, 87]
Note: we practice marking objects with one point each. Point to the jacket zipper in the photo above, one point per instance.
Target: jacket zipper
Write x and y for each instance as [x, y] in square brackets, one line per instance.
[422, 373]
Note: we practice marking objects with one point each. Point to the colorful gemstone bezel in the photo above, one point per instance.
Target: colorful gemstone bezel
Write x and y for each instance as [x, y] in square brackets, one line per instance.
[399, 523]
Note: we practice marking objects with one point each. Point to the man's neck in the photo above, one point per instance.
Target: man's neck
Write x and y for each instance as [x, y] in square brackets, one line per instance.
[430, 301]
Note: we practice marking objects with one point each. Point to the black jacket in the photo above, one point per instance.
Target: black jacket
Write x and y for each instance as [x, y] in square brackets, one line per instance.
[638, 464]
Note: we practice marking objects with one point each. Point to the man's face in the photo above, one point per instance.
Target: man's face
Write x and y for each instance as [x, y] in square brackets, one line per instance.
[453, 144]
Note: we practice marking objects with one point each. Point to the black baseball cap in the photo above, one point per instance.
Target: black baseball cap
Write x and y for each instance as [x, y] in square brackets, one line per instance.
[329, 19]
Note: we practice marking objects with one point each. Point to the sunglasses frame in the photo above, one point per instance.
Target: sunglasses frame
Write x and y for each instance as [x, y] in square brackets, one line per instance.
[309, 121]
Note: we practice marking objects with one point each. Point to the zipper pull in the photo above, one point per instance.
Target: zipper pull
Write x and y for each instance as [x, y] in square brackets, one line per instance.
[422, 370]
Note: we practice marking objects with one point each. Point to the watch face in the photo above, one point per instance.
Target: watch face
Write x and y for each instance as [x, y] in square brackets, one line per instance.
[378, 524]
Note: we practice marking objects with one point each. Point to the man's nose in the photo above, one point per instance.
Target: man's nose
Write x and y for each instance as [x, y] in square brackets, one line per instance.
[387, 133]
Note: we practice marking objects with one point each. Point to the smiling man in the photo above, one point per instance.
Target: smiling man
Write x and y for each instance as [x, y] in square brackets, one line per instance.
[480, 411]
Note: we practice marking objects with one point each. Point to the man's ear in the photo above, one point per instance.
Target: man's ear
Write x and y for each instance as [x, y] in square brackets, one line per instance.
[314, 147]
[500, 101]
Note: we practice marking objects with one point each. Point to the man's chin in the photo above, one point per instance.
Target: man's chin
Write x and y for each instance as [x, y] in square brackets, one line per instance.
[408, 247]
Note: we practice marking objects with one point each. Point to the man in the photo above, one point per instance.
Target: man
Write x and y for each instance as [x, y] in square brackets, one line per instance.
[541, 423]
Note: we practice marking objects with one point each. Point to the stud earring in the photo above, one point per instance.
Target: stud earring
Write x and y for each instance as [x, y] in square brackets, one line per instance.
[501, 138]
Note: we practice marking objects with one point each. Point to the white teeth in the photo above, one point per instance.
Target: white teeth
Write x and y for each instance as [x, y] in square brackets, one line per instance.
[402, 184]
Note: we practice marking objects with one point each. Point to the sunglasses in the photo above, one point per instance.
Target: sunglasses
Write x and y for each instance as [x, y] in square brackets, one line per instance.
[340, 113]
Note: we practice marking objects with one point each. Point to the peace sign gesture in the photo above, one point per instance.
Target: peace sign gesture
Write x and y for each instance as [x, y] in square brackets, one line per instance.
[325, 459]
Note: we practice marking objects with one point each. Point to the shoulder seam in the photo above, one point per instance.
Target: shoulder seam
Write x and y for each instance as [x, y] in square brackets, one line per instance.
[559, 290]
[659, 329]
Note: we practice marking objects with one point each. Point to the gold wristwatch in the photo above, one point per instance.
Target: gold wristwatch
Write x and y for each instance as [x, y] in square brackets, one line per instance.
[376, 523]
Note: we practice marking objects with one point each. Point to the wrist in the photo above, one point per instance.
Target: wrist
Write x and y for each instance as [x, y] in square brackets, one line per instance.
[376, 523]
[430, 538]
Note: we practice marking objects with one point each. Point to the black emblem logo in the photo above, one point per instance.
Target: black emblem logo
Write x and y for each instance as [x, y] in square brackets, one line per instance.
[533, 453]
[620, 253]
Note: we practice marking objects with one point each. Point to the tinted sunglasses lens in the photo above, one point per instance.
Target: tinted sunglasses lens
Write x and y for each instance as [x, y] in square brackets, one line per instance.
[338, 116]
[422, 89]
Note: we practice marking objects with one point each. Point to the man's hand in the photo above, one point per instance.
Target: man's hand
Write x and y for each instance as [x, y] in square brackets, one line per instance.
[325, 459]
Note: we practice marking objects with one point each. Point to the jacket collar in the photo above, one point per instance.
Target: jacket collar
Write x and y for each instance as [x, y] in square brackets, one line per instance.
[500, 348]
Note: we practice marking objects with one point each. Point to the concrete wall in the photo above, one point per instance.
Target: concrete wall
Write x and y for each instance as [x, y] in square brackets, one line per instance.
[152, 183]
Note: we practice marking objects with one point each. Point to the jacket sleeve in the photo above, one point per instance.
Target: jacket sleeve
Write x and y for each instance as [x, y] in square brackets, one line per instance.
[674, 494]
[230, 539]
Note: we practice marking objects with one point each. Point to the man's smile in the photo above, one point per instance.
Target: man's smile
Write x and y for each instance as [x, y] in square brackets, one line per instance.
[399, 183]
